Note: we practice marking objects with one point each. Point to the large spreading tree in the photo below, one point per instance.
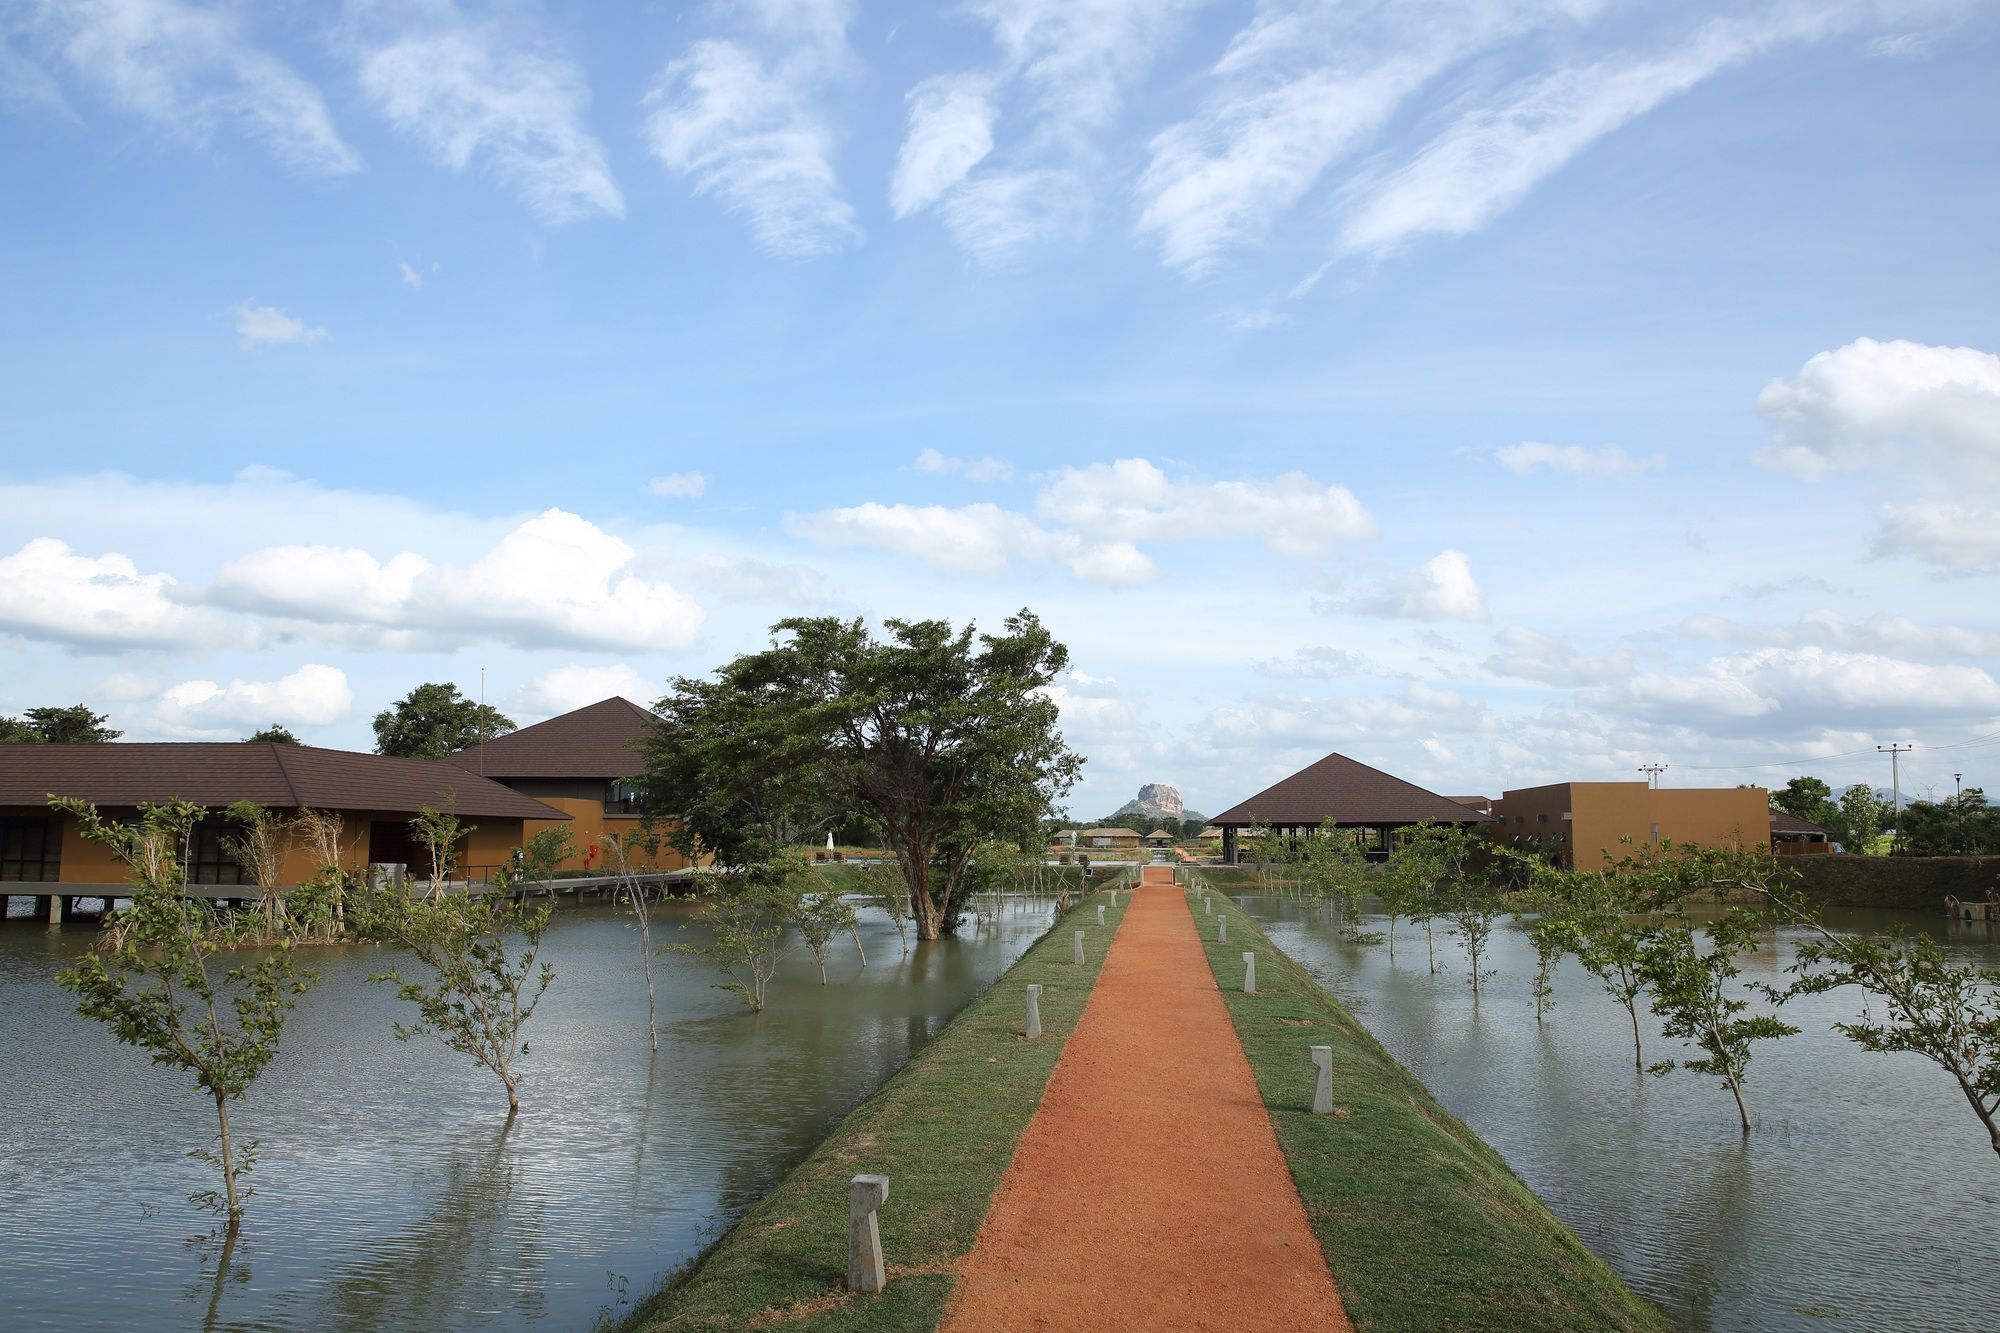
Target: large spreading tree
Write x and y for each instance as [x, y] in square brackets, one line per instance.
[941, 738]
[74, 725]
[434, 720]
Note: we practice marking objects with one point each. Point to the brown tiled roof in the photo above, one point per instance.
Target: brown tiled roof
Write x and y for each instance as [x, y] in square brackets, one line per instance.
[1111, 832]
[282, 777]
[1347, 792]
[592, 742]
[1784, 821]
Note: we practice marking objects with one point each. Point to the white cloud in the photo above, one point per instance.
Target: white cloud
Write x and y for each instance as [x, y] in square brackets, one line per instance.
[1879, 404]
[1609, 460]
[1945, 532]
[192, 69]
[566, 688]
[1066, 66]
[1530, 655]
[1494, 153]
[1442, 588]
[1134, 500]
[313, 696]
[972, 469]
[411, 277]
[750, 129]
[1318, 663]
[1876, 634]
[98, 603]
[1302, 86]
[951, 130]
[257, 325]
[1808, 688]
[1282, 722]
[679, 485]
[479, 95]
[555, 580]
[980, 539]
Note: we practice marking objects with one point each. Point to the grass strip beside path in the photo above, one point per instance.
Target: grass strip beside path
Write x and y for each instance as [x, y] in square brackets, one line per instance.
[1422, 1223]
[943, 1129]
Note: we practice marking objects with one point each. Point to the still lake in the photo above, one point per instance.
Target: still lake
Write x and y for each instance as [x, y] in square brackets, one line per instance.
[390, 1194]
[1867, 1197]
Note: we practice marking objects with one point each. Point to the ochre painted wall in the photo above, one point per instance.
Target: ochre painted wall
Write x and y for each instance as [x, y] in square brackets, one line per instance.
[587, 826]
[1603, 814]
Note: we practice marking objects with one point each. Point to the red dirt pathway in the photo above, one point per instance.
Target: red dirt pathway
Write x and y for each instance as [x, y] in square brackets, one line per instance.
[1148, 1191]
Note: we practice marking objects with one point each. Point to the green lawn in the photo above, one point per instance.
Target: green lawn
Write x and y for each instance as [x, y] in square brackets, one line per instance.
[943, 1130]
[1423, 1224]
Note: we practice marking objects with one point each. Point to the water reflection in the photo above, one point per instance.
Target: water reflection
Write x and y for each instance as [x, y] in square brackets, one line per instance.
[1865, 1198]
[389, 1193]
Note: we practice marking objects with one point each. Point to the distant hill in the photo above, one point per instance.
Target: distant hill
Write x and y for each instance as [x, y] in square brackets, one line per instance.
[1157, 803]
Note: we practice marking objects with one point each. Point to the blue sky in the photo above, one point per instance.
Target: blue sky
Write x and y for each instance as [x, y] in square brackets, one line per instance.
[1499, 392]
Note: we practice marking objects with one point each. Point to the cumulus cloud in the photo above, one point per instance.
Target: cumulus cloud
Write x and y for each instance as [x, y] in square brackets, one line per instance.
[259, 325]
[313, 696]
[192, 70]
[1808, 688]
[679, 485]
[1879, 404]
[484, 95]
[1527, 654]
[1288, 722]
[565, 688]
[1065, 66]
[1134, 500]
[1318, 663]
[1609, 460]
[1894, 635]
[97, 603]
[1442, 588]
[972, 469]
[979, 539]
[556, 580]
[1949, 533]
[744, 121]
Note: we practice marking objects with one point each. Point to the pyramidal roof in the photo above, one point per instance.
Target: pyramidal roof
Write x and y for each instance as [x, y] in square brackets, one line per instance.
[590, 742]
[1346, 792]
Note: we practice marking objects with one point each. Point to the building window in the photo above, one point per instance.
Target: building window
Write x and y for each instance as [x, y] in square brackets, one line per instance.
[624, 797]
[31, 849]
[209, 861]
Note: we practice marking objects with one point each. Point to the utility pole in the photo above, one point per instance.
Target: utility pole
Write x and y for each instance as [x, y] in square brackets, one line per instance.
[1896, 780]
[1652, 772]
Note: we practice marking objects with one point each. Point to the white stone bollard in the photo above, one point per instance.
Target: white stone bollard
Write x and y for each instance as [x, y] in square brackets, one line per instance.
[1322, 1058]
[1077, 950]
[1249, 974]
[1100, 914]
[1034, 1010]
[865, 1272]
[1222, 929]
[1208, 905]
[1114, 897]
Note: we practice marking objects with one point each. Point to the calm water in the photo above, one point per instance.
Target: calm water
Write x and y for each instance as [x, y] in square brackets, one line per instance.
[388, 1195]
[1867, 1197]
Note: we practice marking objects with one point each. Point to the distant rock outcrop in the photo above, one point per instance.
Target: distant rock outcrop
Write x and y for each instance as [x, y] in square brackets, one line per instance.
[1156, 803]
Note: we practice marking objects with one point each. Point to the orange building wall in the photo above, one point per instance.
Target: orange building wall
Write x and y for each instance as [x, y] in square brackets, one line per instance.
[1603, 814]
[587, 826]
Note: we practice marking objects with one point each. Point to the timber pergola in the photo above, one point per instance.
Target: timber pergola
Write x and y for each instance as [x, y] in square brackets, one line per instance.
[1348, 794]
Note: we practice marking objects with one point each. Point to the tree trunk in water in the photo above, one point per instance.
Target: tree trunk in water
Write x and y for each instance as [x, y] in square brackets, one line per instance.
[1736, 1091]
[513, 1094]
[228, 1161]
[1638, 1060]
[652, 1009]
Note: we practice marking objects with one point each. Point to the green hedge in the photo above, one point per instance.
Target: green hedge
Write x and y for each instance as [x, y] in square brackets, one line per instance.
[1915, 883]
[1423, 1224]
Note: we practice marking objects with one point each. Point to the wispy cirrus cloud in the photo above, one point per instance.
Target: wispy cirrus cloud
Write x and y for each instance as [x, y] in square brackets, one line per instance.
[262, 325]
[486, 95]
[193, 70]
[1063, 70]
[743, 119]
[1606, 460]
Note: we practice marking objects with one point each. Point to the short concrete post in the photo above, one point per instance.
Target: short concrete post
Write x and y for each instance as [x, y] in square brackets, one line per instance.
[1076, 951]
[56, 912]
[865, 1194]
[1208, 905]
[1222, 929]
[1322, 1058]
[1249, 974]
[1114, 897]
[1034, 1010]
[1100, 914]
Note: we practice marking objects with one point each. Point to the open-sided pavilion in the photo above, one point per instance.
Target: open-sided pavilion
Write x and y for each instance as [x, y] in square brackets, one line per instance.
[1348, 794]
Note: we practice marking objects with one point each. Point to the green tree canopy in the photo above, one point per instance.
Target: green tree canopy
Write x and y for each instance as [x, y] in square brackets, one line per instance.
[76, 724]
[1966, 826]
[434, 720]
[275, 734]
[1808, 798]
[941, 738]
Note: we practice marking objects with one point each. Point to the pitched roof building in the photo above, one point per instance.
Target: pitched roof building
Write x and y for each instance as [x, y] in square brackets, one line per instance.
[1346, 793]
